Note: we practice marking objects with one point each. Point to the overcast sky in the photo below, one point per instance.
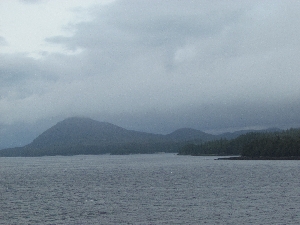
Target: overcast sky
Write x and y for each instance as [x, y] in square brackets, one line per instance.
[151, 65]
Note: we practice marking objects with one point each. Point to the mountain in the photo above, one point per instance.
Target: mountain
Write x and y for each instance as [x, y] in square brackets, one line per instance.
[85, 131]
[74, 136]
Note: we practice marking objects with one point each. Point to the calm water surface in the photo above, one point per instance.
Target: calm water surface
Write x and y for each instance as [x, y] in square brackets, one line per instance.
[148, 189]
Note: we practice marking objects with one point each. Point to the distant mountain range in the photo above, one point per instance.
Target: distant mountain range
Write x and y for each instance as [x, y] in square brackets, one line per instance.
[76, 135]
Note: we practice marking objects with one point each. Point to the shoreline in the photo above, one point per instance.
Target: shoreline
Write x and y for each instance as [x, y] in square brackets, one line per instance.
[261, 158]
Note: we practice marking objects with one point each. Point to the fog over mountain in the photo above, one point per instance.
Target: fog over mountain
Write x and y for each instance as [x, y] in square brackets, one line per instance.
[150, 66]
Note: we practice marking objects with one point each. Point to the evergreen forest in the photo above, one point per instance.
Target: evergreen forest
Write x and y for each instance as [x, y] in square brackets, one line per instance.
[268, 144]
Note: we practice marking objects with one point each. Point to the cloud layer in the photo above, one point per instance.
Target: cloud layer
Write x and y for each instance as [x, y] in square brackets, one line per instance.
[161, 65]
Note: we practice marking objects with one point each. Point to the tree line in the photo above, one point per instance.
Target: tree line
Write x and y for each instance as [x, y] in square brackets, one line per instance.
[269, 144]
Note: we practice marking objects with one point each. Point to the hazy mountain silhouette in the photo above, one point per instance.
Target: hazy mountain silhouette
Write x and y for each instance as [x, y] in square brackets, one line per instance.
[77, 135]
[85, 131]
[188, 134]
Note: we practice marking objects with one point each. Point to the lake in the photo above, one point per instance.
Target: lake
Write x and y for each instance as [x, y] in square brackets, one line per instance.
[148, 189]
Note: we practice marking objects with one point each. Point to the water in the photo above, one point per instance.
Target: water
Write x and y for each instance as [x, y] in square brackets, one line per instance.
[148, 189]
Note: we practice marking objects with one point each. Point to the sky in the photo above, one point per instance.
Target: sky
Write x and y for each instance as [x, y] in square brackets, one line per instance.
[150, 65]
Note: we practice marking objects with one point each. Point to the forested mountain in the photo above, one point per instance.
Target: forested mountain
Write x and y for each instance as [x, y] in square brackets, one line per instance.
[253, 145]
[281, 144]
[75, 136]
[236, 134]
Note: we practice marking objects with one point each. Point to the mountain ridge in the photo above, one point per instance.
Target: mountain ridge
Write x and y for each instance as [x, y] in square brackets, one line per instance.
[79, 135]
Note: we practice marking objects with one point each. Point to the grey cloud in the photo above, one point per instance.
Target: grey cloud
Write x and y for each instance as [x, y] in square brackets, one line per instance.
[143, 28]
[149, 23]
[31, 1]
[214, 31]
[161, 65]
[3, 42]
[17, 69]
[215, 118]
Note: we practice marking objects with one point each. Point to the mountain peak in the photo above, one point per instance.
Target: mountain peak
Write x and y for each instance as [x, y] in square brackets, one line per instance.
[80, 120]
[78, 130]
